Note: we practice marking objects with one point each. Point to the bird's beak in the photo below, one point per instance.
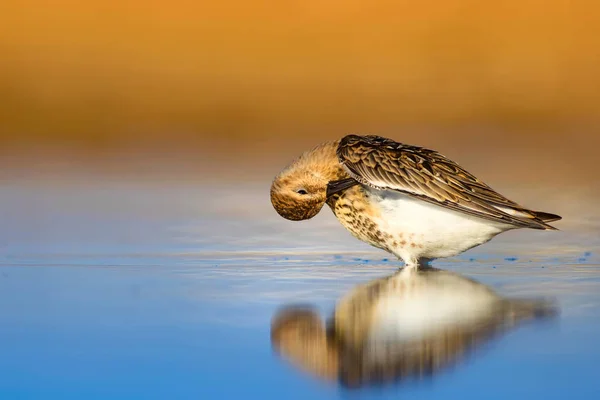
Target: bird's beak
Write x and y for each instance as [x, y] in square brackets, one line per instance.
[334, 187]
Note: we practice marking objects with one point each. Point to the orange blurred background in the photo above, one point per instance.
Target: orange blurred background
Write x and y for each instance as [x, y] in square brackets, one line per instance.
[241, 87]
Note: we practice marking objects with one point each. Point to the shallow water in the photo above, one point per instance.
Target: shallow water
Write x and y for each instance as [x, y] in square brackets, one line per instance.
[115, 290]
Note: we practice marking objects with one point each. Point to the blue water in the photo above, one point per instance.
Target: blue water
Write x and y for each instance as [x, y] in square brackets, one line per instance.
[119, 291]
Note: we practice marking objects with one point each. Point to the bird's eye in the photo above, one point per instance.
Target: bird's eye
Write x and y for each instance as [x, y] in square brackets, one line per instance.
[301, 191]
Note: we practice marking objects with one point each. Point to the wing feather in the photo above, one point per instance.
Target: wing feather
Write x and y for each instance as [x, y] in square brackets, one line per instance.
[419, 172]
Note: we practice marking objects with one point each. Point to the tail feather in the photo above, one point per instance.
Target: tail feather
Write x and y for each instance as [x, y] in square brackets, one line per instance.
[538, 219]
[547, 217]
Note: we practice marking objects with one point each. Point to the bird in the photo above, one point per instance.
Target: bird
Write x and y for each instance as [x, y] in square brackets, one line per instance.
[410, 325]
[410, 201]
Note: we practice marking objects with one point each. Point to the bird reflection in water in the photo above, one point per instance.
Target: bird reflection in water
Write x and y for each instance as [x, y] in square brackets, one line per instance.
[412, 324]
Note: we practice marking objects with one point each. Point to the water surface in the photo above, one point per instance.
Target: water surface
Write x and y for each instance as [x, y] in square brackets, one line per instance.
[115, 290]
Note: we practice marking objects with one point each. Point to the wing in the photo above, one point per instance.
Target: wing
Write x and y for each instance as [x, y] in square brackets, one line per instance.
[385, 164]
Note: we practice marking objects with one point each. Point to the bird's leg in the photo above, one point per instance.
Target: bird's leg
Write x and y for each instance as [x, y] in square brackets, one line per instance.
[416, 264]
[411, 266]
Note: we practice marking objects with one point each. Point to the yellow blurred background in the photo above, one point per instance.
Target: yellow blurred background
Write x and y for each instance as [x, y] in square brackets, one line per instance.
[243, 86]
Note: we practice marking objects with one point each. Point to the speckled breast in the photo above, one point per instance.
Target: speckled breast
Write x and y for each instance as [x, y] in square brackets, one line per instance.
[354, 210]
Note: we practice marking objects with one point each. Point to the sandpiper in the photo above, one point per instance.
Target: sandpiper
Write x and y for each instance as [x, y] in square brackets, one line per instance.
[412, 324]
[409, 201]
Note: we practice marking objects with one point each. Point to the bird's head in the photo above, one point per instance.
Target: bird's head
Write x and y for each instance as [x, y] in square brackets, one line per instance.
[299, 192]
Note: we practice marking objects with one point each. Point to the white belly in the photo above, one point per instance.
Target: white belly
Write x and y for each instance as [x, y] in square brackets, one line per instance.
[423, 230]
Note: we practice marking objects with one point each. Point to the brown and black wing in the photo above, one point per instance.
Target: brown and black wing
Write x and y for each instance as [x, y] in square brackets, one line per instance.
[426, 174]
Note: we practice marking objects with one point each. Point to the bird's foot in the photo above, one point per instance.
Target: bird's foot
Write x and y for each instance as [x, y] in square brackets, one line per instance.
[410, 268]
[416, 265]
